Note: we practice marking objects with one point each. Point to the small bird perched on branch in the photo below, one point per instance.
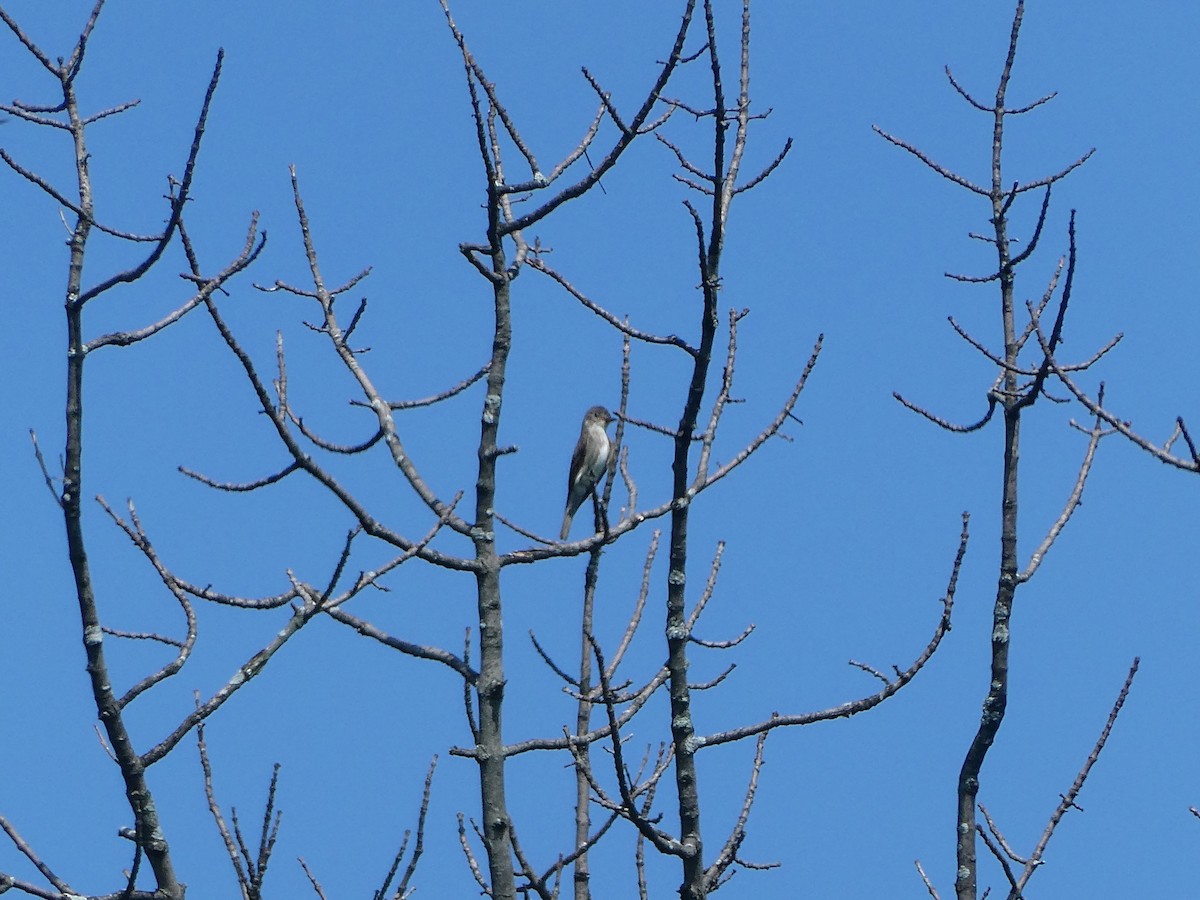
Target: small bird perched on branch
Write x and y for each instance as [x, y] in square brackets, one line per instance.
[588, 462]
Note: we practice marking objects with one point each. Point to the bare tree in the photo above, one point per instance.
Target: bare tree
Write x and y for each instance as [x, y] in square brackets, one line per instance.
[499, 258]
[1018, 385]
[648, 789]
[693, 439]
[64, 114]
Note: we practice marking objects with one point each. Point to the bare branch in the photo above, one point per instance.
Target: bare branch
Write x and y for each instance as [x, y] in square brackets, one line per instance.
[71, 68]
[41, 461]
[1037, 231]
[628, 133]
[1050, 346]
[1009, 853]
[662, 841]
[24, 113]
[550, 662]
[368, 523]
[712, 682]
[36, 179]
[33, 48]
[1068, 800]
[988, 354]
[443, 395]
[28, 853]
[332, 606]
[854, 707]
[606, 102]
[437, 654]
[1057, 176]
[571, 158]
[142, 636]
[636, 617]
[245, 672]
[766, 172]
[177, 203]
[1073, 502]
[723, 645]
[1123, 427]
[870, 670]
[471, 861]
[312, 879]
[565, 743]
[685, 163]
[382, 410]
[1095, 358]
[241, 487]
[418, 848]
[728, 855]
[1036, 316]
[782, 416]
[134, 531]
[946, 424]
[539, 265]
[925, 878]
[111, 111]
[937, 167]
[250, 250]
[987, 840]
[975, 103]
[344, 449]
[215, 809]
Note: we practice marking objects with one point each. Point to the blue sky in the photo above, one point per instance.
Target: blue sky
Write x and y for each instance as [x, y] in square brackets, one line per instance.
[839, 542]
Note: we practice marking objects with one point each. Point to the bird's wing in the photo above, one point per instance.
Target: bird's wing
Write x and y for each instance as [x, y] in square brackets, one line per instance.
[576, 470]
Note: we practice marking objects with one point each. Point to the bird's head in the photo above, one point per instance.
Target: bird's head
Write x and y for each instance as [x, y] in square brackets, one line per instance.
[598, 415]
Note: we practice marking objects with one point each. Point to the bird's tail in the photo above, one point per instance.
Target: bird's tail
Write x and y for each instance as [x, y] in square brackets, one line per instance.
[566, 528]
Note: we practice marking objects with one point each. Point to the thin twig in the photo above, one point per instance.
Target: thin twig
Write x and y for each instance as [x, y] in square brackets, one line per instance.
[1068, 799]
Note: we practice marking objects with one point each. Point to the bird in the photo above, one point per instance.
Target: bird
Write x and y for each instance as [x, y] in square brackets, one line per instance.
[588, 462]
